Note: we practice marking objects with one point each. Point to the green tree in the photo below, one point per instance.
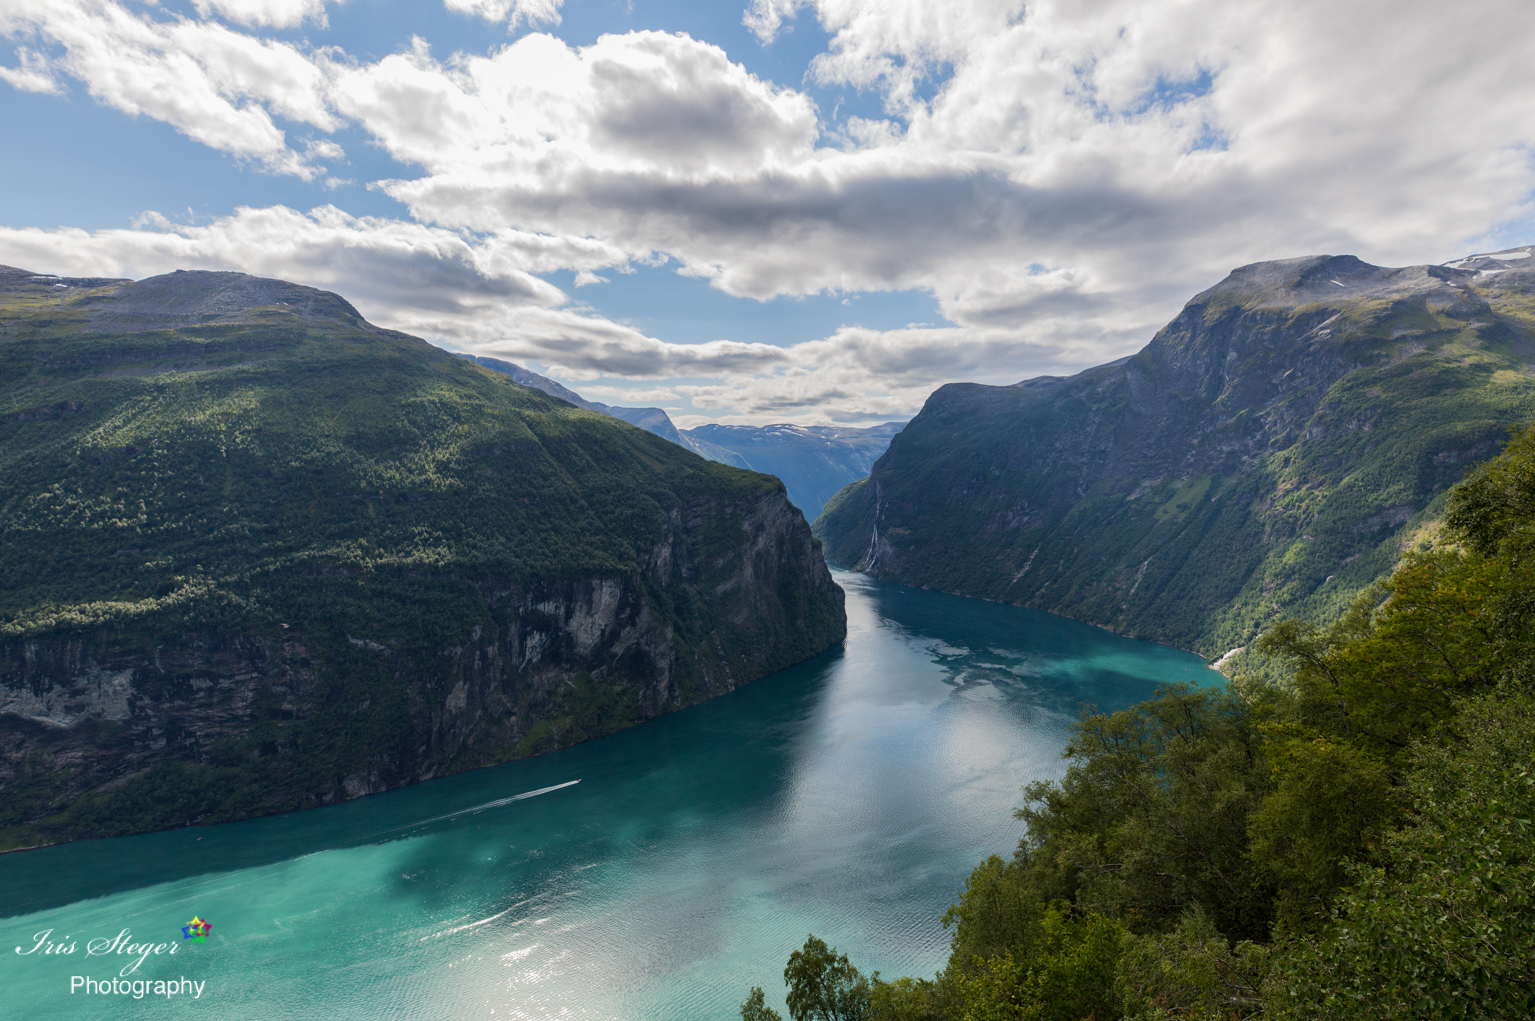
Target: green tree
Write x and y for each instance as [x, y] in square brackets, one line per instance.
[1446, 928]
[1001, 902]
[1065, 972]
[756, 1009]
[906, 999]
[1191, 972]
[1389, 678]
[1396, 665]
[1331, 803]
[824, 985]
[1152, 815]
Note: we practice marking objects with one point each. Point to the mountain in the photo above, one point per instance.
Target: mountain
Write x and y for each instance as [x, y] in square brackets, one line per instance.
[652, 420]
[527, 377]
[1267, 453]
[257, 554]
[813, 461]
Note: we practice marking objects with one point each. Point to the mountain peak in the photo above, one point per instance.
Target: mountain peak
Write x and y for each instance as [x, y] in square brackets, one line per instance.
[1320, 278]
[198, 297]
[1519, 260]
[186, 297]
[14, 279]
[1329, 278]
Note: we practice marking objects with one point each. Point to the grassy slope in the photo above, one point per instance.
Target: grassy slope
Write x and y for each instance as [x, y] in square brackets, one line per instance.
[1246, 464]
[306, 469]
[282, 448]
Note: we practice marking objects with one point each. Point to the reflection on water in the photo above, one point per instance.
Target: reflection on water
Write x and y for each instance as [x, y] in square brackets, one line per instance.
[848, 796]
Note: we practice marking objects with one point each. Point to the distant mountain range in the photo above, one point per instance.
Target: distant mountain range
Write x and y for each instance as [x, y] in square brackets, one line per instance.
[1266, 455]
[813, 461]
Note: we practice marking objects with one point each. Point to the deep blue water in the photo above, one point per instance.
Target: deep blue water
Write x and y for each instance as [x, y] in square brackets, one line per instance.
[849, 796]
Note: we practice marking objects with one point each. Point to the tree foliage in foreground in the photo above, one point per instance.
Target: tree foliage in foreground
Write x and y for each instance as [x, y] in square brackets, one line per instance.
[1446, 928]
[1359, 843]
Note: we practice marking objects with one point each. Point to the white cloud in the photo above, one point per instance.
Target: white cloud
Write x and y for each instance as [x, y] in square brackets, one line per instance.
[513, 12]
[629, 395]
[325, 149]
[33, 75]
[1134, 152]
[276, 13]
[1061, 175]
[766, 17]
[217, 86]
[477, 294]
[645, 105]
[394, 271]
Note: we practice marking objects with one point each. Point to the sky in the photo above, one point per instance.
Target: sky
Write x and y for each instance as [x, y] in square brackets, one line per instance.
[811, 211]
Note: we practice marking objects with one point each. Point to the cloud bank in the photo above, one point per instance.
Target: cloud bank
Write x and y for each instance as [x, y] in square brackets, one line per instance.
[1059, 176]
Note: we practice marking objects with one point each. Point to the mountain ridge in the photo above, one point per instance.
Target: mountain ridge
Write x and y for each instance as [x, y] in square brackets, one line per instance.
[1287, 431]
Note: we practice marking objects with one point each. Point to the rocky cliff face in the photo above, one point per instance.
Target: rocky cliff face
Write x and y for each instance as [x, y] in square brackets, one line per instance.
[549, 664]
[278, 559]
[1266, 453]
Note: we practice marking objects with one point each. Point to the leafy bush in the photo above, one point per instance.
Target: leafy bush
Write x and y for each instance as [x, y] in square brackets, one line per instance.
[1444, 928]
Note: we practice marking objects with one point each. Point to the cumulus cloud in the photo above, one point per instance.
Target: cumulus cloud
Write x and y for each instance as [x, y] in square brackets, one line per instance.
[629, 395]
[1075, 172]
[513, 12]
[33, 73]
[217, 86]
[389, 268]
[640, 106]
[276, 13]
[1059, 175]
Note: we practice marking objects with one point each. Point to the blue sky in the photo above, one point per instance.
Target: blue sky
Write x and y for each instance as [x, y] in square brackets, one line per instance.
[804, 210]
[54, 168]
[154, 167]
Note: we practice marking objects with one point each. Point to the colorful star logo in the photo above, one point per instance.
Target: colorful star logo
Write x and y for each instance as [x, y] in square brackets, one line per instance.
[196, 929]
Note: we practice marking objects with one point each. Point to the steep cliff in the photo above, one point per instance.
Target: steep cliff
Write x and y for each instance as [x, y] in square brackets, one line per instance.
[257, 554]
[1267, 453]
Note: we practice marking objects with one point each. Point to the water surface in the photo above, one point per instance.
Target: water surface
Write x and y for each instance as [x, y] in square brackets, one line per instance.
[849, 796]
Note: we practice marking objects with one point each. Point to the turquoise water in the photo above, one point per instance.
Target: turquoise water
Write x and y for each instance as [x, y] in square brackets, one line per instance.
[848, 796]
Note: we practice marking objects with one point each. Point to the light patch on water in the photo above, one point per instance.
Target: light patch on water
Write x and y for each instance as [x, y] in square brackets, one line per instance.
[848, 797]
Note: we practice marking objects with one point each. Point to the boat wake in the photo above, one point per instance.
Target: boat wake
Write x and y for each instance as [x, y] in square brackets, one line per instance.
[480, 808]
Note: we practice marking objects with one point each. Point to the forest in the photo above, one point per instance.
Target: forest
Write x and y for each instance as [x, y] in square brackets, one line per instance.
[1353, 841]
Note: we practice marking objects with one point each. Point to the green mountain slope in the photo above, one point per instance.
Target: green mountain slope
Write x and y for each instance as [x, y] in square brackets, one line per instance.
[1268, 452]
[257, 554]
